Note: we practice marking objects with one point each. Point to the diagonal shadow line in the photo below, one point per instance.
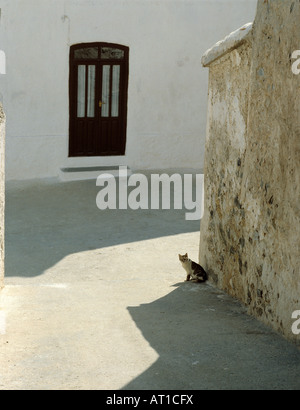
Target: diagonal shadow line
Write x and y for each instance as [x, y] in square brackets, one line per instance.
[205, 340]
[47, 221]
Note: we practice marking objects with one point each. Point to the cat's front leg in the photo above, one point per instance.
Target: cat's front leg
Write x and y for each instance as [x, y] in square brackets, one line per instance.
[188, 277]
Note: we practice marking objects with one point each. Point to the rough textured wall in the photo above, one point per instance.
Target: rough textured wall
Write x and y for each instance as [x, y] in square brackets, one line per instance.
[251, 227]
[2, 157]
[221, 239]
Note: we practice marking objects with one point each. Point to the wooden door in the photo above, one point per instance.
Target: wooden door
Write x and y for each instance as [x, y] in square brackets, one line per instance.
[98, 99]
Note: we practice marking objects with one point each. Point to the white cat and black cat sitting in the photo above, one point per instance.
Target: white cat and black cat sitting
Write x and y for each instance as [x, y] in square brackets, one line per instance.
[194, 271]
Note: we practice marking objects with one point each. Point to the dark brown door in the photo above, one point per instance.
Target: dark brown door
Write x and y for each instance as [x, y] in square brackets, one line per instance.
[98, 99]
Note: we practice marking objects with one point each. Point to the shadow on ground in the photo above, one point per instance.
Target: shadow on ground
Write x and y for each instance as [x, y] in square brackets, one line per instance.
[45, 221]
[205, 340]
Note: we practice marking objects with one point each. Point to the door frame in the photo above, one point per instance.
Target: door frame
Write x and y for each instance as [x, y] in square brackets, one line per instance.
[123, 90]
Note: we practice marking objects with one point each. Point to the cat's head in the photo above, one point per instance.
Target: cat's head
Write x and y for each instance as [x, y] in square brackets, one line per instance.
[183, 258]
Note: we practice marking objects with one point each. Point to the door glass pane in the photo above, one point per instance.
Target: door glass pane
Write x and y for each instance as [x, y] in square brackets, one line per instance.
[81, 91]
[115, 91]
[111, 53]
[91, 91]
[105, 91]
[87, 52]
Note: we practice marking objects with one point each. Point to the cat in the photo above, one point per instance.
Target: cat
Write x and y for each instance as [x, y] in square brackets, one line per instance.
[194, 271]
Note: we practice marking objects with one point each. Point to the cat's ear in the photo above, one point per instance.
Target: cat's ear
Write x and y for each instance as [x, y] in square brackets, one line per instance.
[186, 255]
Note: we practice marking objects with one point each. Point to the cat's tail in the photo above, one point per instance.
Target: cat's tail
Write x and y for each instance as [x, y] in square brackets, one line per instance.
[202, 276]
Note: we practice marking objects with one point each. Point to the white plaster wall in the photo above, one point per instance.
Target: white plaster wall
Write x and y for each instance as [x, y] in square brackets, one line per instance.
[2, 193]
[167, 84]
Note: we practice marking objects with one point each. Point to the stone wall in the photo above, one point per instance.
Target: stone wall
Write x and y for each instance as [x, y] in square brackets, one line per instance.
[221, 237]
[2, 184]
[250, 230]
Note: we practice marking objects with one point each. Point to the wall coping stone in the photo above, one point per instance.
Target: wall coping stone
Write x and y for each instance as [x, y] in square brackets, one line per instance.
[229, 43]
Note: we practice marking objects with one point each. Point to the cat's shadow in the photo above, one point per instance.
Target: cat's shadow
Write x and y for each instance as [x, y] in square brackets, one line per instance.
[172, 326]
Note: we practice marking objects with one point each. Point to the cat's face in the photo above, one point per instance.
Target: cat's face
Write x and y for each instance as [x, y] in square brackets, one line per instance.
[183, 258]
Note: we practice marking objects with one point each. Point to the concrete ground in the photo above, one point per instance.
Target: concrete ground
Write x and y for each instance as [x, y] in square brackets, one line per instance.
[97, 300]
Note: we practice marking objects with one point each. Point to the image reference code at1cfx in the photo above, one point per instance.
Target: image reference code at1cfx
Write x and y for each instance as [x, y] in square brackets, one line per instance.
[150, 399]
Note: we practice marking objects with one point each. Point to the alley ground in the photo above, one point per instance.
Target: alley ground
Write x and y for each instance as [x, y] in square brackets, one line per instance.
[97, 300]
